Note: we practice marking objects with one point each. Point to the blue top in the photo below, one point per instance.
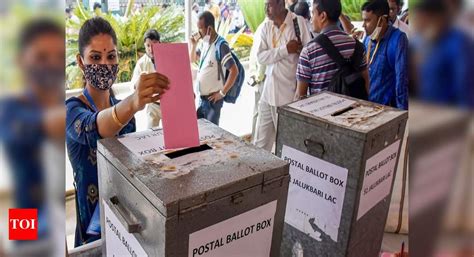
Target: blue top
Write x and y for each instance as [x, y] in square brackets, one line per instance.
[388, 71]
[81, 140]
[22, 135]
[445, 69]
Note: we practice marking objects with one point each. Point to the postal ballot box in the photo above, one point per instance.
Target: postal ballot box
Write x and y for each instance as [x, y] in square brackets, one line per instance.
[343, 154]
[224, 198]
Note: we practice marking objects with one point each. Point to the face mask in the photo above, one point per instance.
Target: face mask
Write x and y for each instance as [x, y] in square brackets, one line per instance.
[46, 77]
[101, 76]
[376, 34]
[207, 38]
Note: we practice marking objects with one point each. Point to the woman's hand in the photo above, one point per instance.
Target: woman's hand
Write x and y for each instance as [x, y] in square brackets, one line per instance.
[150, 88]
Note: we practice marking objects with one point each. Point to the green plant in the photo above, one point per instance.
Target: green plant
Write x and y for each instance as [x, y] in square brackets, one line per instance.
[253, 11]
[352, 9]
[130, 30]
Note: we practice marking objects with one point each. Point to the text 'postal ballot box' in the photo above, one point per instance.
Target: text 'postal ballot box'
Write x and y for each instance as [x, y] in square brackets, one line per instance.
[343, 154]
[225, 198]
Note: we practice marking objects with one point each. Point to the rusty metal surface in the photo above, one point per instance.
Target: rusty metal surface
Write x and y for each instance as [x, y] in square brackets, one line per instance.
[231, 165]
[348, 141]
[172, 198]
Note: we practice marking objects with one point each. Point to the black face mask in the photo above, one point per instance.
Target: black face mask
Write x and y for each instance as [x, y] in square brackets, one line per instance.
[46, 77]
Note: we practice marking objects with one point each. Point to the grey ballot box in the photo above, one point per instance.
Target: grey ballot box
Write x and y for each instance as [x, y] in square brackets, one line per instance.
[212, 200]
[361, 141]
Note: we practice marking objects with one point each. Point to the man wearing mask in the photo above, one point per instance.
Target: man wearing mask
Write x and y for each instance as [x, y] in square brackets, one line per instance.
[387, 58]
[395, 9]
[146, 64]
[283, 36]
[211, 87]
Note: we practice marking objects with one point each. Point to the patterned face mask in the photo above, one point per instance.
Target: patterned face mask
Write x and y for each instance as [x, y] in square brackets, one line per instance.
[101, 76]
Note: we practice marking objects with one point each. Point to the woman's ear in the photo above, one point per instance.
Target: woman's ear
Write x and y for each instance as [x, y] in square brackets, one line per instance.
[79, 62]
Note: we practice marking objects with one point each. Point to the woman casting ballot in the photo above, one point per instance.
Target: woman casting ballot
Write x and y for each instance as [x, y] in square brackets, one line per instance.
[97, 114]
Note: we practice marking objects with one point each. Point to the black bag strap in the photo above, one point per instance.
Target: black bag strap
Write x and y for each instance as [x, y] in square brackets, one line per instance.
[331, 50]
[296, 26]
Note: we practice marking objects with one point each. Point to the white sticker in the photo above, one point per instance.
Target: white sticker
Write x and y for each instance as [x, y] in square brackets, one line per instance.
[378, 177]
[315, 195]
[247, 234]
[322, 104]
[152, 141]
[118, 241]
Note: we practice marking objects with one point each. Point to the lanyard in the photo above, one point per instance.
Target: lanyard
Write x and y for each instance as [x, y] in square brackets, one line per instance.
[275, 41]
[91, 101]
[371, 59]
[204, 57]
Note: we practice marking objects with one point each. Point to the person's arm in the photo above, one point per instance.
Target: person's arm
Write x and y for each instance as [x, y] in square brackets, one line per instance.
[303, 75]
[268, 55]
[401, 72]
[150, 88]
[233, 73]
[365, 76]
[346, 23]
[301, 89]
[137, 71]
[229, 63]
[54, 122]
[85, 127]
[193, 54]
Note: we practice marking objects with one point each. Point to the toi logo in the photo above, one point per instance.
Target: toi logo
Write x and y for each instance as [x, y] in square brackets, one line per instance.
[23, 224]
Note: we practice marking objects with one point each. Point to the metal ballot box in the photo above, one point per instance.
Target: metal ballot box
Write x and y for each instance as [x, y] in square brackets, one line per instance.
[224, 198]
[343, 154]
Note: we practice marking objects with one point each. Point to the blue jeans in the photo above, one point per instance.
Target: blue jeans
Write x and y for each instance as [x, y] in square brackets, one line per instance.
[209, 110]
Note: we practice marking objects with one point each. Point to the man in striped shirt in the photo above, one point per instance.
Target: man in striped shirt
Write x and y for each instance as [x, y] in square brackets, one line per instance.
[315, 68]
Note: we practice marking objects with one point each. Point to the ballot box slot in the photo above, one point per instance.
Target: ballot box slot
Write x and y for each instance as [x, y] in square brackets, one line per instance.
[342, 111]
[179, 153]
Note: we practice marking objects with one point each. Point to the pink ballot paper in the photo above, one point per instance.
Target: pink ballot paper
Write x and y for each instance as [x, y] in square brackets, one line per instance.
[179, 117]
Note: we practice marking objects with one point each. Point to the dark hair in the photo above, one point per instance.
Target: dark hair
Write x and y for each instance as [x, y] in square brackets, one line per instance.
[37, 28]
[93, 27]
[292, 6]
[302, 9]
[398, 2]
[379, 7]
[332, 8]
[68, 10]
[208, 19]
[152, 34]
[96, 5]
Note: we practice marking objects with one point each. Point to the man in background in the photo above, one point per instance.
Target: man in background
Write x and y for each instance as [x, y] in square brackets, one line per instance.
[395, 9]
[279, 48]
[212, 88]
[146, 64]
[387, 56]
[316, 68]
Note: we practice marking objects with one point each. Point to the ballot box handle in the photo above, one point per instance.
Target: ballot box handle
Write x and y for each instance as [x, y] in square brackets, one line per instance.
[315, 148]
[128, 220]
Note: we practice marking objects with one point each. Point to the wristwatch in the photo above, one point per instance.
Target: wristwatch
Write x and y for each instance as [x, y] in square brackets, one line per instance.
[221, 93]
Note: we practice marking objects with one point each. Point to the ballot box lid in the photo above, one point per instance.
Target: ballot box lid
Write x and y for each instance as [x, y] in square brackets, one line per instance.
[342, 114]
[174, 181]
